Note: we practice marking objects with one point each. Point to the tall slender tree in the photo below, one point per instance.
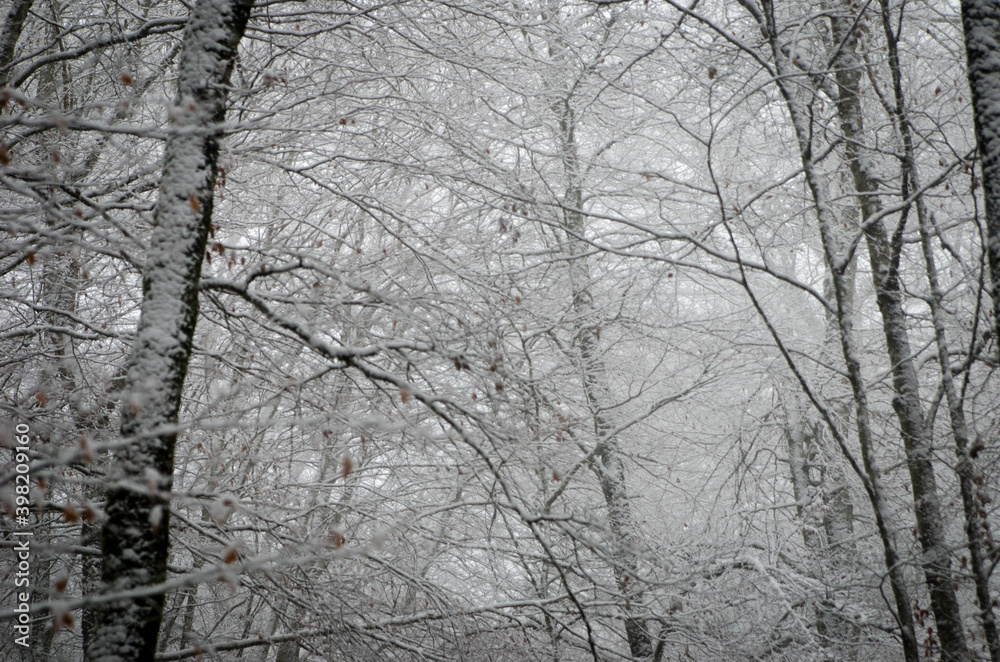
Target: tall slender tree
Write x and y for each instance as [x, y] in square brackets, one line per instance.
[981, 23]
[135, 539]
[883, 256]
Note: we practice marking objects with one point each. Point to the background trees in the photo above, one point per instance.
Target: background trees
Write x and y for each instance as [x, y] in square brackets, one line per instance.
[525, 331]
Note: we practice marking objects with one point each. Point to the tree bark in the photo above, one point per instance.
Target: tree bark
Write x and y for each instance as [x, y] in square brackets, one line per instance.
[976, 526]
[838, 264]
[611, 467]
[11, 32]
[981, 23]
[883, 257]
[135, 537]
[799, 433]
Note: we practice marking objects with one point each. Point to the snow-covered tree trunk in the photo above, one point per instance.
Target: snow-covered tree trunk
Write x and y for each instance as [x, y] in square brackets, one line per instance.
[811, 452]
[838, 515]
[135, 537]
[838, 265]
[883, 259]
[976, 527]
[827, 492]
[799, 433]
[819, 483]
[611, 465]
[9, 34]
[981, 22]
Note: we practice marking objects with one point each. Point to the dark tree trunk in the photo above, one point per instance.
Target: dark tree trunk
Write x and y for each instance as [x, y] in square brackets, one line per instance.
[611, 467]
[9, 34]
[838, 264]
[884, 259]
[135, 537]
[981, 22]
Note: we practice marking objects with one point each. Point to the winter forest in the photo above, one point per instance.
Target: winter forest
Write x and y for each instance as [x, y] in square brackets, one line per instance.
[499, 330]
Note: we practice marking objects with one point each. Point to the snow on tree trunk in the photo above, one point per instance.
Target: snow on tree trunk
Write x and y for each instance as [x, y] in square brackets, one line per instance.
[822, 499]
[809, 451]
[9, 34]
[838, 514]
[981, 22]
[135, 537]
[883, 259]
[611, 467]
[976, 526]
[799, 433]
[843, 293]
